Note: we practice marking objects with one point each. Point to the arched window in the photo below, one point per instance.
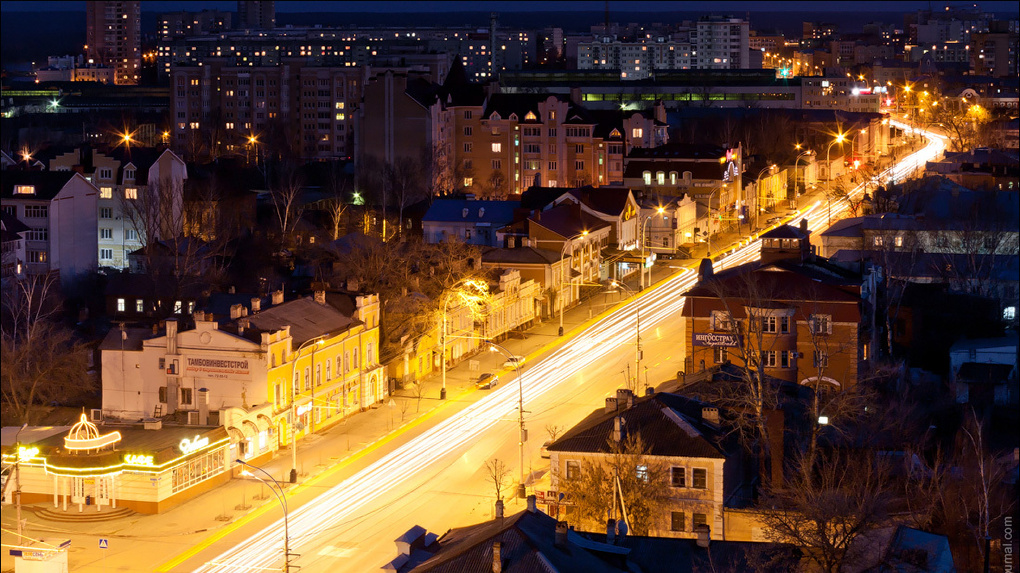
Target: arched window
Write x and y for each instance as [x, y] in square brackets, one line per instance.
[354, 359]
[660, 178]
[647, 175]
[369, 360]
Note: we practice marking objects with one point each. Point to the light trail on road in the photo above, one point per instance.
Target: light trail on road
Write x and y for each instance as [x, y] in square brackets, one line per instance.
[419, 459]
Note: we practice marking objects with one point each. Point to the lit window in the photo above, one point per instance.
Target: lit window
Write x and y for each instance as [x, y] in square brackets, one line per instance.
[106, 192]
[131, 193]
[497, 147]
[637, 133]
[24, 189]
[120, 305]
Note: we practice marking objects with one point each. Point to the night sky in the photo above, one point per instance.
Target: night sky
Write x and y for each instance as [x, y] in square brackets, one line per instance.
[506, 6]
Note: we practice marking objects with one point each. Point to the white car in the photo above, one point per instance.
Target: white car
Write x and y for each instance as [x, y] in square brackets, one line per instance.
[514, 362]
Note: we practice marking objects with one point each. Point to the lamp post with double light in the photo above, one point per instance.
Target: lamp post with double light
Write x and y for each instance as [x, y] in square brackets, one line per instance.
[482, 288]
[637, 354]
[282, 498]
[523, 437]
[318, 340]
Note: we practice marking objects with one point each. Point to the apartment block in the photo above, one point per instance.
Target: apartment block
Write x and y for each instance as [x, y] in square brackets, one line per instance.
[113, 37]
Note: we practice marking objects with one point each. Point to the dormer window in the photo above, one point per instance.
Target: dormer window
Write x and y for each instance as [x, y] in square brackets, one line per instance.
[660, 178]
[105, 173]
[513, 117]
[495, 116]
[531, 117]
[129, 174]
[647, 176]
[24, 189]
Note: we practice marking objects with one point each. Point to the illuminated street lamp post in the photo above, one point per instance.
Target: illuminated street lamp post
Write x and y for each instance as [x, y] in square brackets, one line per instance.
[757, 196]
[282, 498]
[17, 479]
[446, 305]
[644, 258]
[637, 354]
[523, 437]
[563, 253]
[840, 138]
[293, 402]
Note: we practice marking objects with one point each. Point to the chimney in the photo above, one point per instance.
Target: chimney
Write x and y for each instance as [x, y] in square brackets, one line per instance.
[320, 296]
[171, 336]
[610, 405]
[203, 406]
[538, 215]
[710, 416]
[277, 297]
[231, 290]
[621, 531]
[610, 531]
[705, 271]
[497, 557]
[532, 506]
[618, 429]
[199, 316]
[624, 398]
[803, 225]
[256, 304]
[353, 285]
[235, 311]
[241, 325]
[499, 509]
[561, 534]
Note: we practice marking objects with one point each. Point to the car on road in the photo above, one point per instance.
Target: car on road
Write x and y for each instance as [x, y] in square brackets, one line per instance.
[487, 381]
[775, 220]
[514, 362]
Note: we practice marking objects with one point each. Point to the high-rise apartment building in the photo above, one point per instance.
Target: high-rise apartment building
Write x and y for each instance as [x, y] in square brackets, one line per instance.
[256, 15]
[113, 36]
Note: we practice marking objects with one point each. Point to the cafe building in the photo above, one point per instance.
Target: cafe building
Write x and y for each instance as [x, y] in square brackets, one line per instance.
[147, 468]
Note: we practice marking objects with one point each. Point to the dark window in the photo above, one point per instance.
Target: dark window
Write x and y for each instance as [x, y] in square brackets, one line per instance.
[676, 521]
[678, 477]
[699, 478]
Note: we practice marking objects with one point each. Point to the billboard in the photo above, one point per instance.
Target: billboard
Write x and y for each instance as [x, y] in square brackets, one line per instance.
[716, 339]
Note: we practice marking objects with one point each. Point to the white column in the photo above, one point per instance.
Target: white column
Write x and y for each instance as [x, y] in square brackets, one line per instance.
[56, 492]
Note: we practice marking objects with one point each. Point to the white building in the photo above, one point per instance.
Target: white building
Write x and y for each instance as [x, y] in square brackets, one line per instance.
[61, 212]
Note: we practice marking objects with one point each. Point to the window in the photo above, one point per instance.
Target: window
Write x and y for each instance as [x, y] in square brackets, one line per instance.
[105, 213]
[821, 359]
[162, 394]
[131, 193]
[105, 233]
[898, 241]
[354, 359]
[129, 174]
[647, 176]
[467, 114]
[318, 375]
[105, 173]
[468, 147]
[699, 478]
[552, 167]
[467, 131]
[186, 395]
[579, 165]
[784, 324]
[469, 181]
[579, 148]
[106, 254]
[130, 235]
[139, 305]
[121, 306]
[768, 358]
[24, 189]
[637, 133]
[329, 364]
[573, 469]
[532, 148]
[36, 256]
[699, 519]
[676, 521]
[672, 177]
[497, 147]
[308, 378]
[678, 477]
[37, 211]
[821, 324]
[719, 354]
[552, 131]
[784, 359]
[721, 320]
[878, 240]
[106, 192]
[39, 234]
[497, 164]
[768, 324]
[660, 178]
[641, 471]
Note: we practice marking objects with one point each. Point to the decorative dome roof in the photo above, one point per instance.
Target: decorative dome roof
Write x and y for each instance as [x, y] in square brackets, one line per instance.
[85, 436]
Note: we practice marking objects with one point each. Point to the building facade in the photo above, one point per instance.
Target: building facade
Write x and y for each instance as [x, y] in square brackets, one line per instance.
[113, 37]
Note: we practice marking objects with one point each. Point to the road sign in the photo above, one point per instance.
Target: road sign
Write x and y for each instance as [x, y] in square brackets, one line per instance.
[103, 543]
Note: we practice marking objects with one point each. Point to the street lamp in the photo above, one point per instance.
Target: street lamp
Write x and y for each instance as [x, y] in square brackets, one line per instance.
[795, 164]
[293, 401]
[521, 490]
[282, 498]
[481, 287]
[840, 138]
[253, 142]
[757, 195]
[569, 242]
[637, 354]
[641, 277]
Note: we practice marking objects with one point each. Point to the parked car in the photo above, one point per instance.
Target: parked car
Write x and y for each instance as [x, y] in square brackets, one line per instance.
[514, 362]
[487, 381]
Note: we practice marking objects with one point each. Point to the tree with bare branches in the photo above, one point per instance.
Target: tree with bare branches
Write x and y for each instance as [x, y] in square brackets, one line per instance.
[500, 476]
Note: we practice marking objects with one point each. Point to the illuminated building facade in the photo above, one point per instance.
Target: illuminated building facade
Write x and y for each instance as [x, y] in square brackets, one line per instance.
[114, 38]
[148, 469]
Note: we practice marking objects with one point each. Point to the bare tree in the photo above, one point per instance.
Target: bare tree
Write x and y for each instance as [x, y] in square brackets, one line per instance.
[499, 474]
[284, 195]
[418, 389]
[628, 472]
[554, 431]
[829, 515]
[497, 184]
[404, 177]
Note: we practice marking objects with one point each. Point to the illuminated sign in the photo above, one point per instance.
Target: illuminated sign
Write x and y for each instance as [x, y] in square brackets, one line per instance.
[85, 436]
[139, 460]
[27, 453]
[193, 445]
[217, 367]
[714, 339]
